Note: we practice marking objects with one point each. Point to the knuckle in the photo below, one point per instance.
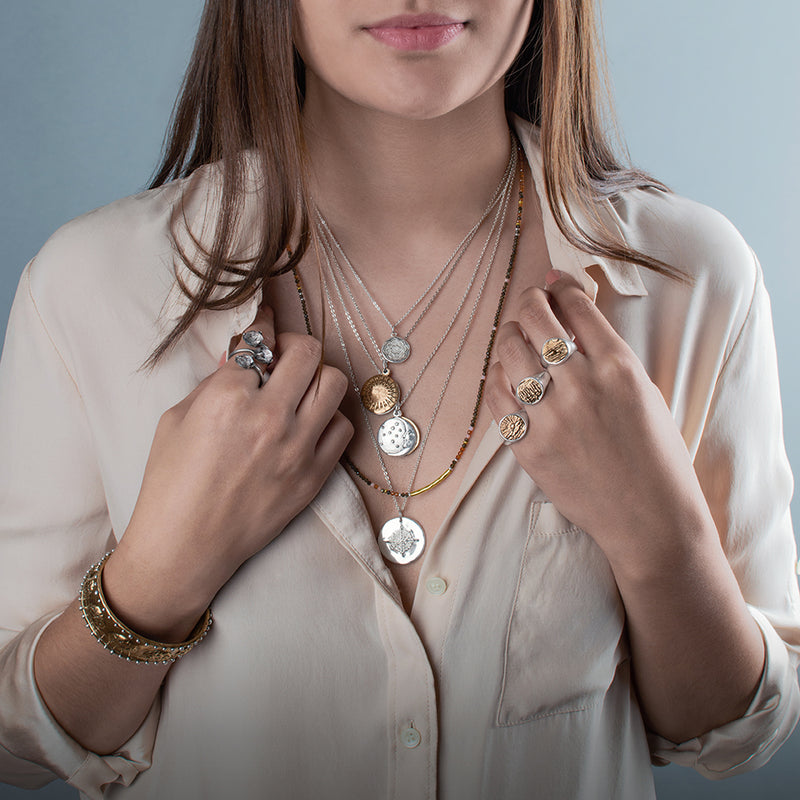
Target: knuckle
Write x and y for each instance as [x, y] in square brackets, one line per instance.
[226, 395]
[310, 347]
[512, 349]
[534, 309]
[579, 305]
[348, 428]
[337, 380]
[284, 461]
[344, 428]
[279, 424]
[620, 367]
[494, 387]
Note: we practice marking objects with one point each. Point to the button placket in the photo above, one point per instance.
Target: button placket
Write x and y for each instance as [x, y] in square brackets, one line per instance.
[412, 706]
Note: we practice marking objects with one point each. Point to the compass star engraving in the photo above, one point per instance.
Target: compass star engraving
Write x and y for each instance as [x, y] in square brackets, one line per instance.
[402, 541]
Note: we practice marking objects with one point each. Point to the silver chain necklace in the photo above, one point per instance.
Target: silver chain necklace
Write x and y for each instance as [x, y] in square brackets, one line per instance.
[402, 539]
[399, 436]
[380, 394]
[396, 349]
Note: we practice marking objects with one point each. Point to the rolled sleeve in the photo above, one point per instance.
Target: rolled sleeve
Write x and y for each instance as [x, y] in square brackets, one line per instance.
[53, 523]
[36, 748]
[742, 466]
[748, 742]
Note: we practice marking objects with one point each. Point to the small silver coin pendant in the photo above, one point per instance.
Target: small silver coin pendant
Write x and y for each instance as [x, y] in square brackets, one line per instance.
[402, 540]
[396, 350]
[398, 436]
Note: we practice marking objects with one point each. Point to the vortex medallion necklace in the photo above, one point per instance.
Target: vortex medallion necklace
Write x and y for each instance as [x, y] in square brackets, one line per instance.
[402, 539]
[399, 435]
[380, 393]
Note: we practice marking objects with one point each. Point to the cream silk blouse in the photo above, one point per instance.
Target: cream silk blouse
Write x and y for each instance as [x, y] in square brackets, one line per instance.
[511, 678]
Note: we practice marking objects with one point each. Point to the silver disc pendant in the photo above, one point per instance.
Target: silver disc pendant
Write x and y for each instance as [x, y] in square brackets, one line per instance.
[396, 350]
[398, 436]
[402, 540]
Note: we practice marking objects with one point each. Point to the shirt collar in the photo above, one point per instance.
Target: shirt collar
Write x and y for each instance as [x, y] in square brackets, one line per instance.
[202, 203]
[623, 276]
[198, 200]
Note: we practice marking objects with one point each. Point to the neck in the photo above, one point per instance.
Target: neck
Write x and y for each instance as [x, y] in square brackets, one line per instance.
[377, 172]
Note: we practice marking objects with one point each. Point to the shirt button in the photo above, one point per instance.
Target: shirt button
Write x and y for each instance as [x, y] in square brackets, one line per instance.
[410, 737]
[436, 585]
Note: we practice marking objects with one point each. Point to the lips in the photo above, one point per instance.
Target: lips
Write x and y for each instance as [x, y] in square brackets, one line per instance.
[416, 31]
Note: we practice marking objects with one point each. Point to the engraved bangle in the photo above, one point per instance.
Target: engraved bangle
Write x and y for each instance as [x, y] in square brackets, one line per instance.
[118, 638]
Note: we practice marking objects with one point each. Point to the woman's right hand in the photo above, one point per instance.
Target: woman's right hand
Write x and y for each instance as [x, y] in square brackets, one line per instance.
[230, 466]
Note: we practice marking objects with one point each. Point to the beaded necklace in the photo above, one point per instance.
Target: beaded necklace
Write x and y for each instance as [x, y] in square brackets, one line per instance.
[487, 357]
[402, 539]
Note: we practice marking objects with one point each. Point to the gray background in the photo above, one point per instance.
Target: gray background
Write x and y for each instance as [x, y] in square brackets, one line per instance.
[707, 94]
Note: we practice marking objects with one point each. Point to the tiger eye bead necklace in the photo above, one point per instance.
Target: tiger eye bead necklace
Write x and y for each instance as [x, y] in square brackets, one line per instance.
[402, 539]
[380, 394]
[399, 435]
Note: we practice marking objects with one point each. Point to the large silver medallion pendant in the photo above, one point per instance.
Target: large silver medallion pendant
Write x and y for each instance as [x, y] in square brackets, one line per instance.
[402, 540]
[398, 436]
[396, 350]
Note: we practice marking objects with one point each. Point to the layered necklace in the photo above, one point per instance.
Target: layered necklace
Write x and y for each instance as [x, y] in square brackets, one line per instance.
[380, 394]
[401, 538]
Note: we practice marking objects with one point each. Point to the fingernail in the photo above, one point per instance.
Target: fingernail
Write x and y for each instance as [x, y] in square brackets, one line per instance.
[552, 276]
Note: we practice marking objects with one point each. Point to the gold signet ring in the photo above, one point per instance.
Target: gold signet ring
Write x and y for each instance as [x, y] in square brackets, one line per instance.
[513, 426]
[531, 390]
[557, 350]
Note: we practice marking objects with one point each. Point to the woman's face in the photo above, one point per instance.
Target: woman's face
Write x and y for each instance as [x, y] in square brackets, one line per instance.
[409, 58]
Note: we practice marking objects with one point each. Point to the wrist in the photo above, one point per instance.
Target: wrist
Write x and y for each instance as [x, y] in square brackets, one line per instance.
[666, 553]
[150, 598]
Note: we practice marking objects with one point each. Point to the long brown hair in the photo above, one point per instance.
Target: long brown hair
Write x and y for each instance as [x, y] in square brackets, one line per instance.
[243, 91]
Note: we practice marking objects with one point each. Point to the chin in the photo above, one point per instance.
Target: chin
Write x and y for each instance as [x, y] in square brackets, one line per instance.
[420, 109]
[418, 99]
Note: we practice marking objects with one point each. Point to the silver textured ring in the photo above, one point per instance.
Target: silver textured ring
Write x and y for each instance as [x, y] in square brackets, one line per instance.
[557, 350]
[531, 390]
[256, 340]
[261, 353]
[253, 338]
[246, 361]
[513, 426]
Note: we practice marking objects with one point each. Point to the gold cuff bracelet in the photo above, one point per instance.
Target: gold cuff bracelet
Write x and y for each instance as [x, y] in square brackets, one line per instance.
[117, 637]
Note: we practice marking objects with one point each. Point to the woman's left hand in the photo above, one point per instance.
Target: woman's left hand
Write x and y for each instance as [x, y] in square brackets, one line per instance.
[601, 444]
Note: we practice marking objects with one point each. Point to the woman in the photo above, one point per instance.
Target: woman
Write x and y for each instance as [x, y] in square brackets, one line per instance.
[440, 614]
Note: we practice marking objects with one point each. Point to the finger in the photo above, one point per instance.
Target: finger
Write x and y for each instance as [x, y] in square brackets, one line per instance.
[512, 420]
[257, 340]
[334, 439]
[294, 369]
[540, 324]
[521, 364]
[321, 400]
[264, 323]
[580, 313]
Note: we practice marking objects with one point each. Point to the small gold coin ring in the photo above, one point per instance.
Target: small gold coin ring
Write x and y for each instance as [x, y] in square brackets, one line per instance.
[557, 350]
[513, 426]
[531, 390]
[380, 394]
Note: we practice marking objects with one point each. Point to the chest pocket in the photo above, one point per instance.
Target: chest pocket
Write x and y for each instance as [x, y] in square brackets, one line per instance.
[565, 632]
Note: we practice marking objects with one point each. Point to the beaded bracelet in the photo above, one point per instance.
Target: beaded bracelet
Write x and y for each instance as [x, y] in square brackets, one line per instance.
[118, 638]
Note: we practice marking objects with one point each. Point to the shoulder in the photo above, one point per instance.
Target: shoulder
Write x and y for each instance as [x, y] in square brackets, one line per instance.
[118, 242]
[106, 252]
[692, 237]
[121, 259]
